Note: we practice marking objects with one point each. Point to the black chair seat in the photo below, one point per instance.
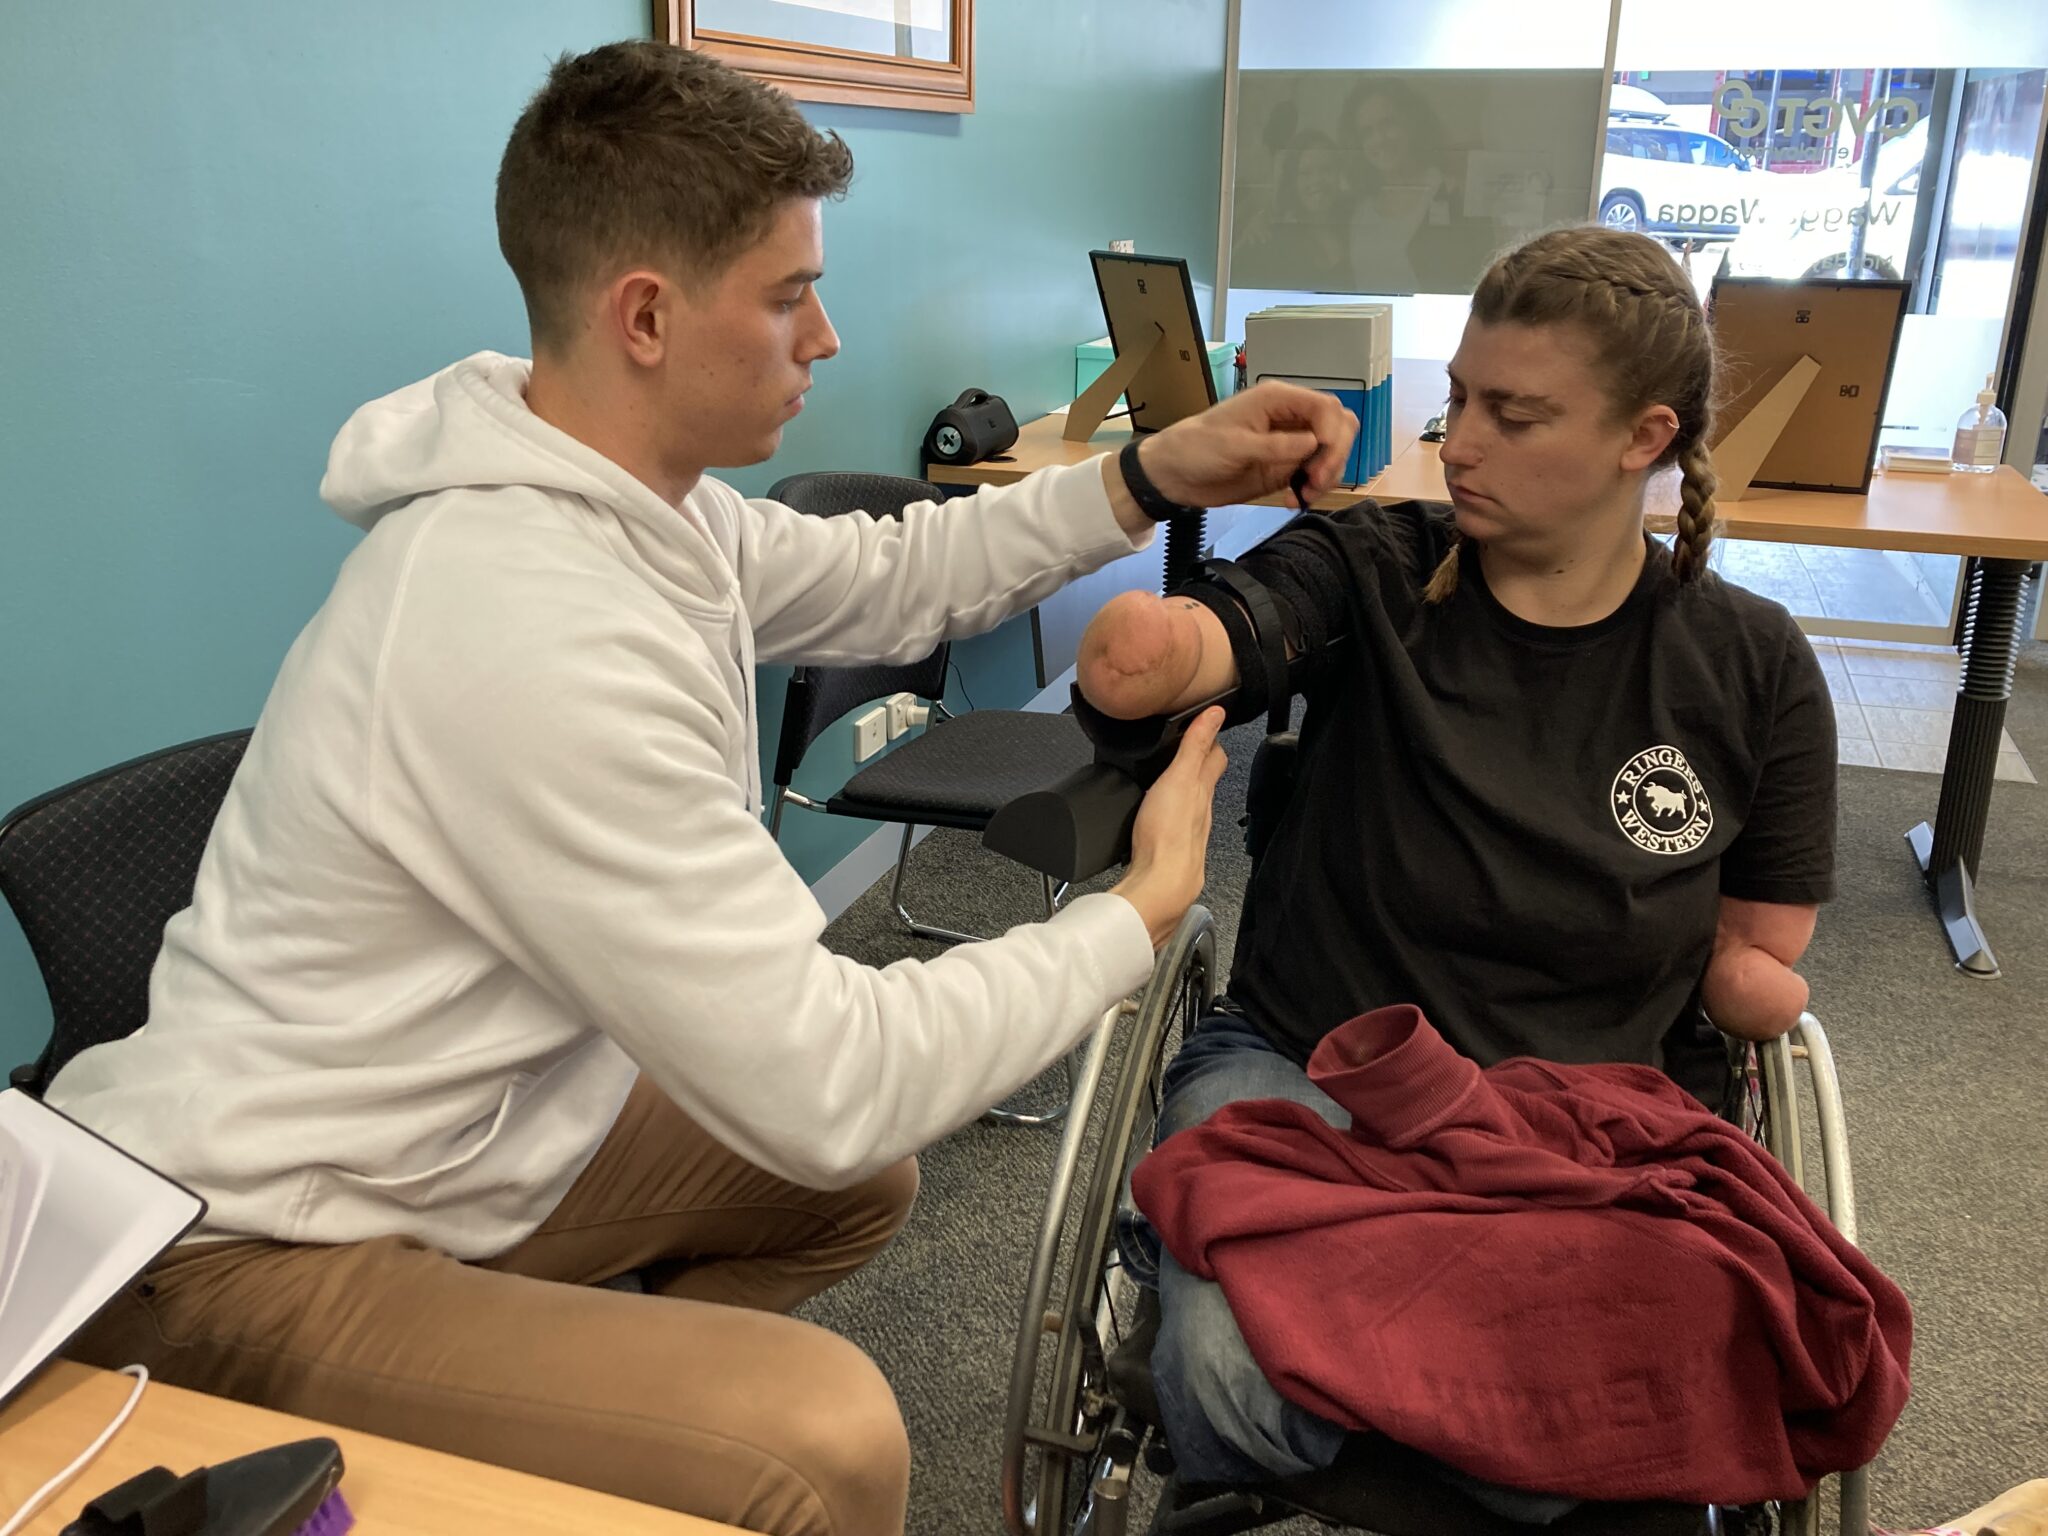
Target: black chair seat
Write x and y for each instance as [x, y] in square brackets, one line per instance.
[1377, 1484]
[960, 772]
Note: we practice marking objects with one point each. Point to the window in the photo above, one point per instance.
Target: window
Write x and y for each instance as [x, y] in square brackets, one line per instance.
[1716, 153]
[1908, 161]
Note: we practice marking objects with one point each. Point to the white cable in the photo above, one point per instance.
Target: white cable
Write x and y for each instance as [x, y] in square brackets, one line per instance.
[55, 1485]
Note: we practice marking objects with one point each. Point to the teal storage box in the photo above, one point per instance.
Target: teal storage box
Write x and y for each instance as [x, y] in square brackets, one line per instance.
[1092, 360]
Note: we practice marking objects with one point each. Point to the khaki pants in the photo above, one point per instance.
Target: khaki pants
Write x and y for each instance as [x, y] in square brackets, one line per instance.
[698, 1396]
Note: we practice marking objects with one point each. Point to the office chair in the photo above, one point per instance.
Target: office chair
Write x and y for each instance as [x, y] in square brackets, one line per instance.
[94, 870]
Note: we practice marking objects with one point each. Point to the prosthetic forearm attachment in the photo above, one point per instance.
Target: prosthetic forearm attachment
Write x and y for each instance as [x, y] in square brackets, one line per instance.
[1077, 828]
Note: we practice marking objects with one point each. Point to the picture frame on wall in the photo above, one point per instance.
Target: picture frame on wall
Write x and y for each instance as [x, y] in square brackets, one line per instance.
[915, 54]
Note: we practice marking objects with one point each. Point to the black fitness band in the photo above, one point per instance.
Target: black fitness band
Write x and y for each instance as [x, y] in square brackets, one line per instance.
[1151, 501]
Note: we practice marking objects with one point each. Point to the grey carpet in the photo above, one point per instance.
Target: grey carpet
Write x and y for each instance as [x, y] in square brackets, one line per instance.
[1946, 1080]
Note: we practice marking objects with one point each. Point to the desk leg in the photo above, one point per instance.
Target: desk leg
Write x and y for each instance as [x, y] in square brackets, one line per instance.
[1948, 851]
[1185, 538]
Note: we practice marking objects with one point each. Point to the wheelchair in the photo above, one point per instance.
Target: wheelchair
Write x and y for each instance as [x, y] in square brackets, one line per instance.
[1081, 1427]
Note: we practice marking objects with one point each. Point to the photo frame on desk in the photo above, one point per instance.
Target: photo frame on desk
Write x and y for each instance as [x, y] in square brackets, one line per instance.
[915, 54]
[1805, 367]
[1155, 330]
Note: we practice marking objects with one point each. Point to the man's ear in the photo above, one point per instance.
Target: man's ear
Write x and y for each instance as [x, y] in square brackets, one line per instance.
[1655, 426]
[637, 312]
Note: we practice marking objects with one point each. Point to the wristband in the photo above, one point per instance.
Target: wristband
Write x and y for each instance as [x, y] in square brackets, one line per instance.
[1151, 501]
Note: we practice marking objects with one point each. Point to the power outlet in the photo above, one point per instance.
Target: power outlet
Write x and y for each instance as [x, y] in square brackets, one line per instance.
[905, 712]
[870, 733]
[1124, 247]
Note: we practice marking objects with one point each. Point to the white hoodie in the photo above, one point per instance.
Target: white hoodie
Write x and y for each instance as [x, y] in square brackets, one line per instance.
[496, 848]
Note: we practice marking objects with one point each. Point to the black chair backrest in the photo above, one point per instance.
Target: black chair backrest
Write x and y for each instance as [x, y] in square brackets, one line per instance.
[94, 870]
[820, 695]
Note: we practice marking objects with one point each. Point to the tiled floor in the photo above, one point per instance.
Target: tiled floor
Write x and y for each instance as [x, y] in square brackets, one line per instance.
[1874, 585]
[1893, 703]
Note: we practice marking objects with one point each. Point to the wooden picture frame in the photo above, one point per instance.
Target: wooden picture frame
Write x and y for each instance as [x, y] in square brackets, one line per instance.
[815, 72]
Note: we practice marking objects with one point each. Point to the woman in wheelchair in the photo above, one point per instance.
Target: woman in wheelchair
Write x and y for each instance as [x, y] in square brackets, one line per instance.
[1559, 785]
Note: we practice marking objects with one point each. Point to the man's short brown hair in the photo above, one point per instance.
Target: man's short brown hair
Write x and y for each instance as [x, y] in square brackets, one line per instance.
[641, 151]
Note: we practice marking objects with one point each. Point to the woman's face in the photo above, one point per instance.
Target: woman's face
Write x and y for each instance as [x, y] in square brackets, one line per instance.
[1381, 134]
[1315, 181]
[1533, 455]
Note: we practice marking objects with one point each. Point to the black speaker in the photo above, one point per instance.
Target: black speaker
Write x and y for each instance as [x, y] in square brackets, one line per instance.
[974, 427]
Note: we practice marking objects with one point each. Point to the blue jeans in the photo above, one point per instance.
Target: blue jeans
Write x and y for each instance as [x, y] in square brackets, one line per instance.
[1223, 1418]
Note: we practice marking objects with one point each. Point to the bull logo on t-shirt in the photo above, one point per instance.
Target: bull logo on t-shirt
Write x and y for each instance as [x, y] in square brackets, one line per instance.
[1665, 802]
[1660, 804]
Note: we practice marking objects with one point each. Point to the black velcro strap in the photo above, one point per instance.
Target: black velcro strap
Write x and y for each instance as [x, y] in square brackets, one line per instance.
[1258, 643]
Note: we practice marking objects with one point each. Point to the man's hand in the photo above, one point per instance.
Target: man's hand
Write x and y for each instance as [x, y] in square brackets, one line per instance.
[1750, 989]
[1170, 841]
[1251, 445]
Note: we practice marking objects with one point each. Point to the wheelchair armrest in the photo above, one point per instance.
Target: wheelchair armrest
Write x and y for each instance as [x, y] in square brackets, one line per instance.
[1274, 767]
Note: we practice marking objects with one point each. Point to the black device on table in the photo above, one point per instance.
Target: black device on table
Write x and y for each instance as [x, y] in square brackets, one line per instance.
[976, 426]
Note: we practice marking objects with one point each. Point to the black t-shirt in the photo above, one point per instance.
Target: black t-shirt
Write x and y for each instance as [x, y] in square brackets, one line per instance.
[1526, 830]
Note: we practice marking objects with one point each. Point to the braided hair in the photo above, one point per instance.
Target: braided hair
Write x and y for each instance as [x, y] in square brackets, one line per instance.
[1638, 307]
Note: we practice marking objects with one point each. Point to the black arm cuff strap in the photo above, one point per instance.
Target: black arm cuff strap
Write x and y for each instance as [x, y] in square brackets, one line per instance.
[1251, 618]
[1258, 641]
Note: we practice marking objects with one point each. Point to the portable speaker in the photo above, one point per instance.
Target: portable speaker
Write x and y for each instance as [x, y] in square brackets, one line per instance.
[974, 427]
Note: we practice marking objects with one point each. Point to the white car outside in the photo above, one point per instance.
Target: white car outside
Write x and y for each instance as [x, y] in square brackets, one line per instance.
[1680, 183]
[1661, 179]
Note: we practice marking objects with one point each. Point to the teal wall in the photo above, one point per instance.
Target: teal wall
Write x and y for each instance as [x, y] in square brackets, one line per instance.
[226, 226]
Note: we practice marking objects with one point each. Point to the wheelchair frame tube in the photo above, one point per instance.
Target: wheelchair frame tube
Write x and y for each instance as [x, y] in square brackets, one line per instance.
[1808, 1040]
[1031, 1325]
[1853, 1518]
[1193, 943]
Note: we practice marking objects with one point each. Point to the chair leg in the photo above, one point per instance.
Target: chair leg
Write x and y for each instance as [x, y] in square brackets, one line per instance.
[1070, 1064]
[921, 930]
[1053, 1116]
[1054, 895]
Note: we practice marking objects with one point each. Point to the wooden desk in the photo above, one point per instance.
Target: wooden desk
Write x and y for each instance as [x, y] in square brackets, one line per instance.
[394, 1489]
[1420, 390]
[1998, 522]
[1999, 516]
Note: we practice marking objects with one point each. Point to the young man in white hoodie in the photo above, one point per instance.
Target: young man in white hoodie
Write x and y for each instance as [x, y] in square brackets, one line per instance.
[493, 984]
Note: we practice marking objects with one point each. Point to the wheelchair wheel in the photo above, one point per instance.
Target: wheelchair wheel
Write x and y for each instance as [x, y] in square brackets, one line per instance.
[1067, 1453]
[1772, 1113]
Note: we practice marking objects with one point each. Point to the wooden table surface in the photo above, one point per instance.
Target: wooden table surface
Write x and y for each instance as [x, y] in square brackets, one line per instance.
[2000, 515]
[393, 1489]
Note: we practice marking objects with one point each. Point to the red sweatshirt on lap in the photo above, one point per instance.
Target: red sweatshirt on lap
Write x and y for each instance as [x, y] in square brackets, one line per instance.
[1568, 1279]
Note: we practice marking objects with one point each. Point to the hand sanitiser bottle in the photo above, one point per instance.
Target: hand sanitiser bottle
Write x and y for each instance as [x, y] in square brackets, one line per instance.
[1980, 435]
